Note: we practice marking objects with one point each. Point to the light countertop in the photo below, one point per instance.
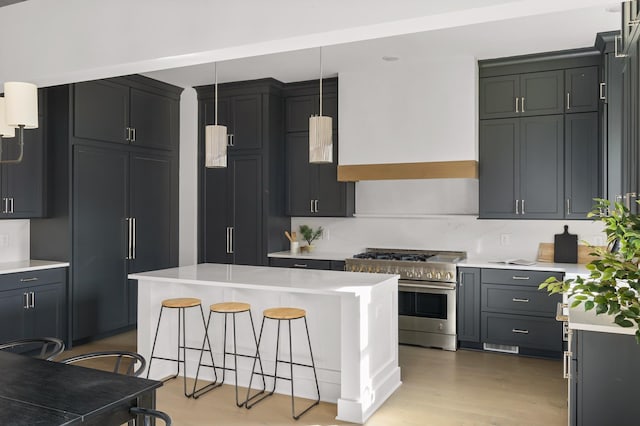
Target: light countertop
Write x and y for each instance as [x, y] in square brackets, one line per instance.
[269, 279]
[316, 255]
[30, 265]
[567, 268]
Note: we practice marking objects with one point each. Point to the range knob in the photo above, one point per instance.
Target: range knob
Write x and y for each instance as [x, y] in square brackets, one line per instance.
[438, 276]
[448, 275]
[429, 274]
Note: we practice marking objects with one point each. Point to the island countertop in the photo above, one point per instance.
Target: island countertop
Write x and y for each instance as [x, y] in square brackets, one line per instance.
[266, 278]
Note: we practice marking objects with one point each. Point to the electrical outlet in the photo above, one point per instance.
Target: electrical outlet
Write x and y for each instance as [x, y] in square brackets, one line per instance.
[4, 240]
[505, 239]
[325, 234]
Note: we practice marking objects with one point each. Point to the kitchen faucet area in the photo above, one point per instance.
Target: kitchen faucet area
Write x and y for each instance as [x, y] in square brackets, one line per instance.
[340, 213]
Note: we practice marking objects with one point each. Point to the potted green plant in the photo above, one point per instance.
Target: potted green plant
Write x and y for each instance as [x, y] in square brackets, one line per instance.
[309, 235]
[613, 285]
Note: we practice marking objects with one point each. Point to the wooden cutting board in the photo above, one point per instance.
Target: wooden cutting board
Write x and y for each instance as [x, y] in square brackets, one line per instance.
[565, 247]
[545, 253]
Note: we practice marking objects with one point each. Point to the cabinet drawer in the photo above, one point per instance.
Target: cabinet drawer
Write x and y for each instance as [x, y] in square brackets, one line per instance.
[517, 276]
[518, 300]
[300, 263]
[32, 278]
[520, 330]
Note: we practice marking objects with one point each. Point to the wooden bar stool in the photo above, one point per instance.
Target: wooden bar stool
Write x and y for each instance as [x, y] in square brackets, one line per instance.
[182, 304]
[284, 314]
[226, 309]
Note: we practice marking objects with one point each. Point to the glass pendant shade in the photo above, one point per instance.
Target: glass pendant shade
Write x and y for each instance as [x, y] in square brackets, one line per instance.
[320, 139]
[215, 146]
[5, 131]
[21, 104]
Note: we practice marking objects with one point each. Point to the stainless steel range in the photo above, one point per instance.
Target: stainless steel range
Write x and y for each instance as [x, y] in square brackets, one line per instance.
[426, 292]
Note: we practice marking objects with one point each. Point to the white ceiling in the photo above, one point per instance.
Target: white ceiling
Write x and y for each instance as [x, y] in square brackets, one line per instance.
[556, 30]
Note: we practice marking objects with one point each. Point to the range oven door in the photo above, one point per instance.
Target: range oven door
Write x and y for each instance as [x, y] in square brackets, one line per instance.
[425, 306]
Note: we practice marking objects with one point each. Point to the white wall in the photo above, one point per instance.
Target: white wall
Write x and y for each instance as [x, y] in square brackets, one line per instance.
[14, 240]
[188, 177]
[409, 112]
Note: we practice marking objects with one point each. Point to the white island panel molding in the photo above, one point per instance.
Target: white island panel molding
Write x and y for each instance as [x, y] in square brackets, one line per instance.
[352, 317]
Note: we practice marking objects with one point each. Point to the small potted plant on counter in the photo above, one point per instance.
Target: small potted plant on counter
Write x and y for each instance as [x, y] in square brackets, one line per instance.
[309, 235]
[613, 285]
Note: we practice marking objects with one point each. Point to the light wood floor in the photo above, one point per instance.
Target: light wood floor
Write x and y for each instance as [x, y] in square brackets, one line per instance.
[439, 388]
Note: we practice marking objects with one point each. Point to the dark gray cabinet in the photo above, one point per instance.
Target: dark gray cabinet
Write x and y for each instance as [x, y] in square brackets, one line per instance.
[468, 305]
[521, 95]
[33, 304]
[582, 170]
[114, 205]
[582, 89]
[603, 373]
[515, 316]
[24, 185]
[313, 189]
[242, 206]
[129, 113]
[303, 263]
[520, 164]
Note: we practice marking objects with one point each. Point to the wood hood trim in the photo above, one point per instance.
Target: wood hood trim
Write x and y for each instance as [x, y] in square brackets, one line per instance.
[427, 170]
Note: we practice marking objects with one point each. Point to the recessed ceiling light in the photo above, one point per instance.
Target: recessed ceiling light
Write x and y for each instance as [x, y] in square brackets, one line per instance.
[390, 58]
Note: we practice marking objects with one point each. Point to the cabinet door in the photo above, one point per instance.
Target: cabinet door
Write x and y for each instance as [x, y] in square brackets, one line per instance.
[100, 206]
[23, 184]
[246, 207]
[581, 86]
[298, 110]
[468, 309]
[151, 117]
[247, 122]
[153, 199]
[217, 218]
[300, 174]
[331, 194]
[499, 153]
[101, 111]
[541, 165]
[581, 164]
[541, 93]
[613, 127]
[13, 323]
[498, 97]
[48, 317]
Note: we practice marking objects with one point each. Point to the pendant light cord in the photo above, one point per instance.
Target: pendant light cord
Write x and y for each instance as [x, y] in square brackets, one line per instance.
[320, 80]
[215, 73]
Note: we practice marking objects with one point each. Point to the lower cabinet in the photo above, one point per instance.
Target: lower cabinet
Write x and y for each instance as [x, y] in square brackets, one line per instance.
[468, 309]
[33, 304]
[603, 374]
[301, 263]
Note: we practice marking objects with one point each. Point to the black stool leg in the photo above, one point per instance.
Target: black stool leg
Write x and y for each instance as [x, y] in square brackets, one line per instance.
[235, 358]
[199, 392]
[253, 369]
[313, 365]
[153, 349]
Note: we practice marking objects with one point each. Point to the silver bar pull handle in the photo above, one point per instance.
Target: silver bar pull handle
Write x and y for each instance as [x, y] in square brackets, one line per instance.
[517, 105]
[520, 278]
[522, 104]
[519, 331]
[228, 249]
[127, 134]
[33, 300]
[230, 137]
[517, 206]
[602, 95]
[568, 101]
[316, 205]
[11, 211]
[133, 134]
[311, 208]
[25, 300]
[134, 236]
[300, 265]
[128, 219]
[517, 299]
[5, 208]
[568, 206]
[28, 280]
[523, 212]
[566, 362]
[231, 245]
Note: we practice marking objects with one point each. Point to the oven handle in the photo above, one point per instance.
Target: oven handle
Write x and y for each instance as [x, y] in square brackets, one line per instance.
[426, 287]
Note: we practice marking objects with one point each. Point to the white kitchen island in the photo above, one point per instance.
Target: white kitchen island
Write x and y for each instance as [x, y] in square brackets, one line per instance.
[352, 317]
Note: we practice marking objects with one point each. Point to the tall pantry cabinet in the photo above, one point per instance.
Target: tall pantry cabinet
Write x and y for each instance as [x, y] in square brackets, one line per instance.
[114, 174]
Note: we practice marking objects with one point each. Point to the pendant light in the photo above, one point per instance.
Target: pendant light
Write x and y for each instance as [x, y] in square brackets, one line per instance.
[320, 133]
[215, 136]
[18, 109]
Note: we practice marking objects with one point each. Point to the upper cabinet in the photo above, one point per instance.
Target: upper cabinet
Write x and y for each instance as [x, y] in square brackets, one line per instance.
[313, 189]
[24, 185]
[521, 95]
[539, 139]
[242, 114]
[128, 113]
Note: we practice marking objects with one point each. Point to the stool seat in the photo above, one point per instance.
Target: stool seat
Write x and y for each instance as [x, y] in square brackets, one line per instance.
[284, 313]
[230, 307]
[182, 302]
